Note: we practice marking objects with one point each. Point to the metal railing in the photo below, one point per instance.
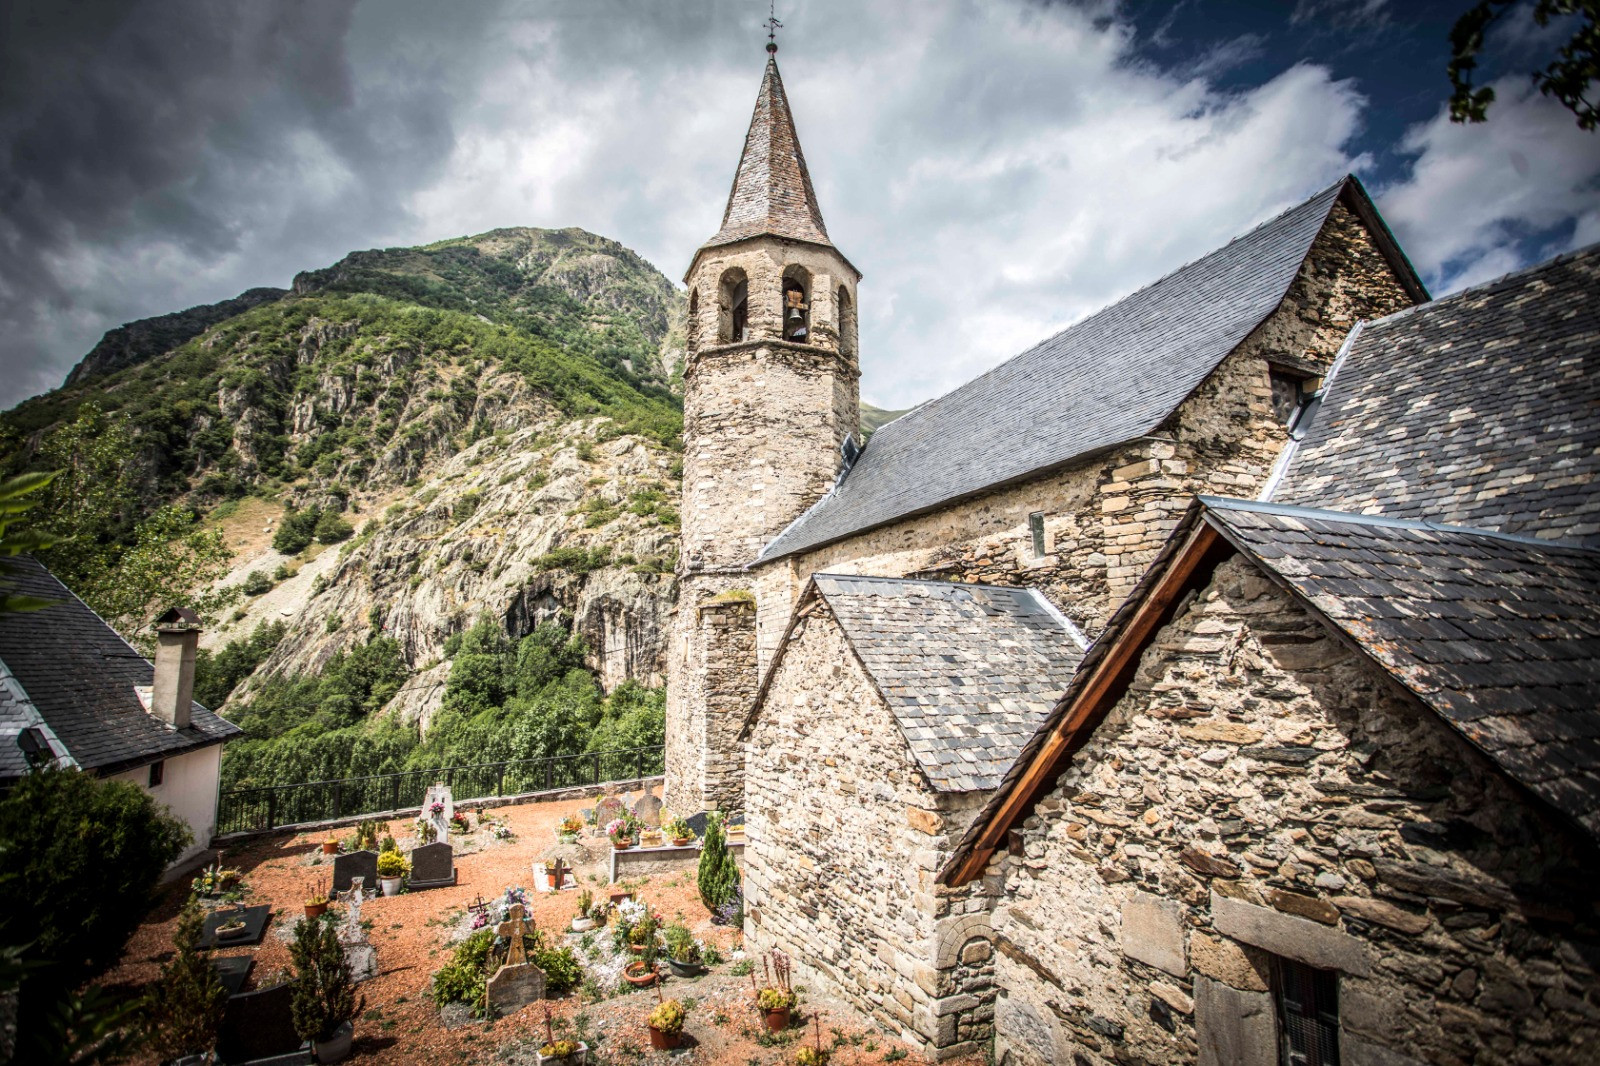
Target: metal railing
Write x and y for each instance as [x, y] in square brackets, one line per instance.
[272, 806]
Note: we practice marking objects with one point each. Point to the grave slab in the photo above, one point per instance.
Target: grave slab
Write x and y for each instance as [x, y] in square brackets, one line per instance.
[259, 1027]
[233, 972]
[515, 986]
[255, 920]
[362, 864]
[432, 866]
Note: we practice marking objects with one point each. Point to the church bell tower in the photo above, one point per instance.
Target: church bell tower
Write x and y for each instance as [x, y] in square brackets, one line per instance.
[771, 393]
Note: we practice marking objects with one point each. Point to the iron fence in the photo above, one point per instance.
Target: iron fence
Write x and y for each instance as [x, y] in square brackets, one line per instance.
[273, 806]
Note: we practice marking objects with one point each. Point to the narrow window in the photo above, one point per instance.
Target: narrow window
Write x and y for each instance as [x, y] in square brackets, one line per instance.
[158, 771]
[1289, 394]
[1308, 1014]
[741, 311]
[1036, 530]
[694, 319]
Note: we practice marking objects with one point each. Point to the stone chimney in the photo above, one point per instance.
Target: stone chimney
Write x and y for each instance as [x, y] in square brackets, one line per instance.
[177, 640]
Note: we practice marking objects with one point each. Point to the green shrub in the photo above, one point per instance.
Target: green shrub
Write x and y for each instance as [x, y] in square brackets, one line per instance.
[331, 528]
[561, 969]
[718, 874]
[467, 505]
[464, 977]
[323, 990]
[296, 531]
[255, 583]
[183, 1012]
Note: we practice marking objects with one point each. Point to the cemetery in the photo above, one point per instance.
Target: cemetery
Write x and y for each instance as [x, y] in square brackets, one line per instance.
[514, 936]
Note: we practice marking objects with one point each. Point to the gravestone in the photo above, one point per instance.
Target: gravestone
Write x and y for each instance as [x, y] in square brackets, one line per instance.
[648, 809]
[255, 924]
[515, 986]
[432, 866]
[259, 1025]
[362, 864]
[607, 810]
[233, 971]
[440, 821]
[358, 950]
[514, 928]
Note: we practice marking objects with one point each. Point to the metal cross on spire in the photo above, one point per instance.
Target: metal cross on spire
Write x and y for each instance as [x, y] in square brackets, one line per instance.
[773, 26]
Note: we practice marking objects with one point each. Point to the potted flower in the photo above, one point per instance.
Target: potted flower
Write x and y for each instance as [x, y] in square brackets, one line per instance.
[330, 846]
[392, 869]
[560, 1052]
[640, 973]
[682, 951]
[581, 922]
[458, 822]
[323, 991]
[621, 838]
[232, 929]
[666, 1025]
[317, 902]
[567, 832]
[556, 874]
[679, 831]
[642, 935]
[776, 998]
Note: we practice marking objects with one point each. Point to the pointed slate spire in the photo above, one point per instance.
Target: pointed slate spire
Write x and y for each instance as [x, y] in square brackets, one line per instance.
[772, 191]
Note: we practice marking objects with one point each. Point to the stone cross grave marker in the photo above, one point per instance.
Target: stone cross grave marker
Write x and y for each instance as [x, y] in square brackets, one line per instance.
[514, 928]
[358, 950]
[648, 809]
[433, 866]
[439, 794]
[352, 865]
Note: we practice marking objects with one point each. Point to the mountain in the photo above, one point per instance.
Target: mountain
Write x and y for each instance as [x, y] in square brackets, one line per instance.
[493, 416]
[875, 418]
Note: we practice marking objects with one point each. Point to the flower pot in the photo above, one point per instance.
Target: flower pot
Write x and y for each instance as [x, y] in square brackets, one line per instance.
[330, 847]
[640, 974]
[337, 1047]
[582, 925]
[661, 1040]
[685, 969]
[390, 885]
[232, 931]
[577, 1058]
[776, 1020]
[621, 845]
[316, 910]
[681, 842]
[637, 949]
[567, 838]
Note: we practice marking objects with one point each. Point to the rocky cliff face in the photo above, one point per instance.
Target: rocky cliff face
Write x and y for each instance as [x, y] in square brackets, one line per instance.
[492, 414]
[147, 338]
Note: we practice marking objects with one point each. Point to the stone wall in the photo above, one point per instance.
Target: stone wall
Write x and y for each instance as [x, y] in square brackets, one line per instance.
[1262, 788]
[713, 663]
[1108, 515]
[844, 838]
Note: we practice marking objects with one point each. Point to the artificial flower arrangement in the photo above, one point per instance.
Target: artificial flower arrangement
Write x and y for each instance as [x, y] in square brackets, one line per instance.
[679, 831]
[569, 829]
[214, 880]
[620, 833]
[458, 821]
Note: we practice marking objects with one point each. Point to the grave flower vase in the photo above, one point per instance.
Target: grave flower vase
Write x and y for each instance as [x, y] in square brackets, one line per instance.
[316, 910]
[337, 1047]
[390, 885]
[330, 847]
[776, 1020]
[661, 1040]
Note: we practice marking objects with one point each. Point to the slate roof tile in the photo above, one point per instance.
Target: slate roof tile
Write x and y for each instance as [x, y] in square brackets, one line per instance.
[967, 670]
[80, 676]
[1110, 378]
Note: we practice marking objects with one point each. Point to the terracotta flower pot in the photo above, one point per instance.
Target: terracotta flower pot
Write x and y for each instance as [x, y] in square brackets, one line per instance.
[316, 910]
[640, 974]
[330, 847]
[621, 845]
[661, 1040]
[681, 842]
[637, 949]
[777, 1020]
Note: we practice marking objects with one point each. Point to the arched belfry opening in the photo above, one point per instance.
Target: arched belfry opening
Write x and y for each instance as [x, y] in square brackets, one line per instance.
[797, 305]
[733, 304]
[694, 319]
[847, 322]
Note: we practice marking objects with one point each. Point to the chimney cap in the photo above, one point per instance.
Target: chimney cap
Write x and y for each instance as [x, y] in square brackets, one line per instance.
[178, 619]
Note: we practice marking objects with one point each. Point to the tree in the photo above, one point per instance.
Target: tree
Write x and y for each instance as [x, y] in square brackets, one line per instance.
[80, 858]
[1567, 77]
[296, 531]
[185, 1009]
[331, 528]
[14, 540]
[323, 990]
[718, 874]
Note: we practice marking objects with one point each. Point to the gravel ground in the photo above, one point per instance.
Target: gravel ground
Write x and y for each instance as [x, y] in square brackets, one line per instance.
[412, 932]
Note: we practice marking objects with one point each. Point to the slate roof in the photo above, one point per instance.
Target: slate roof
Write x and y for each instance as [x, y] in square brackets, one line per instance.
[967, 670]
[772, 191]
[80, 675]
[1112, 377]
[1498, 634]
[1481, 409]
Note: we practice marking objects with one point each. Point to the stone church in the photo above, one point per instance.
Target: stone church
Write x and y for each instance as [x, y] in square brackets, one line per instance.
[872, 643]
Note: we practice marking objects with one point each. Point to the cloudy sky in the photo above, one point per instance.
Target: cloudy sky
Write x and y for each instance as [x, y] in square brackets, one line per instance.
[997, 168]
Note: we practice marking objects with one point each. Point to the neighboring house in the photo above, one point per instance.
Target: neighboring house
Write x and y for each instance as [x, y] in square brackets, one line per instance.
[1327, 786]
[1063, 469]
[888, 717]
[73, 691]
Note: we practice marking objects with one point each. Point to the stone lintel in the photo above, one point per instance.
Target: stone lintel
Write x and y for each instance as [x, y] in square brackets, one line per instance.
[1293, 938]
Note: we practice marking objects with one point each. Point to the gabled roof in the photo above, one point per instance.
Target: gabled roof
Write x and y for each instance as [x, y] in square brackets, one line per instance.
[1497, 634]
[80, 676]
[967, 670]
[1113, 377]
[1480, 409]
[772, 193]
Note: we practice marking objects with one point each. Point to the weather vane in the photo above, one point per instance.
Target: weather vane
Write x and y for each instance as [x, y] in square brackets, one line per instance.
[773, 25]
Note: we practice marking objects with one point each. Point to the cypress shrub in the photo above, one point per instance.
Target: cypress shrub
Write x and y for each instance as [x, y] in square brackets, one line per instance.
[324, 992]
[718, 875]
[184, 1011]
